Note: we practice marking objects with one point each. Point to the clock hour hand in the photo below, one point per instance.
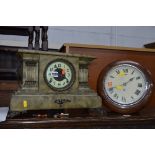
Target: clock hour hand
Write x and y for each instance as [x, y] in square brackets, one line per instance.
[121, 86]
[118, 87]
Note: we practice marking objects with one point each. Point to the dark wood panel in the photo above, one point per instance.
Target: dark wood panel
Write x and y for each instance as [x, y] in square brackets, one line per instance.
[14, 30]
[5, 97]
[7, 88]
[150, 45]
[9, 76]
[9, 85]
[10, 64]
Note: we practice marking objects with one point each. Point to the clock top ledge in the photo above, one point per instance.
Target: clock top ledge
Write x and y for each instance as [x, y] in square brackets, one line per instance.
[37, 52]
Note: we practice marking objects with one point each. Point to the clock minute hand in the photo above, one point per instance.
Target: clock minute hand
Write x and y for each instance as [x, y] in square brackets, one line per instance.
[66, 78]
[125, 83]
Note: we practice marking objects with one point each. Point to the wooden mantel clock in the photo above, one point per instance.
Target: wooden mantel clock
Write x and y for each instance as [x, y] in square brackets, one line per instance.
[52, 80]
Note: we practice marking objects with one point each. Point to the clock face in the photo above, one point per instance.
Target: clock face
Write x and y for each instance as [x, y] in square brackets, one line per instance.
[59, 74]
[126, 85]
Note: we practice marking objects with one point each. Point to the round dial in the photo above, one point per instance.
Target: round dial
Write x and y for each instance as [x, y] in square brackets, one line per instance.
[126, 86]
[59, 74]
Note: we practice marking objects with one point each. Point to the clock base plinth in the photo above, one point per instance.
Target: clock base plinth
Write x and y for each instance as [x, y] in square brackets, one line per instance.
[22, 102]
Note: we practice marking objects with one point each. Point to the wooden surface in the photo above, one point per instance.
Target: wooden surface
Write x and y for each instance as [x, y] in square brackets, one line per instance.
[105, 122]
[108, 54]
[7, 88]
[66, 48]
[9, 85]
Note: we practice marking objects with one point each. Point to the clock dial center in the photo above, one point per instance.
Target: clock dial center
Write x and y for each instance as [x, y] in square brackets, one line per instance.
[59, 74]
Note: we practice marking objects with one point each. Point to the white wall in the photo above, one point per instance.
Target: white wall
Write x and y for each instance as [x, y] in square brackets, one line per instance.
[105, 35]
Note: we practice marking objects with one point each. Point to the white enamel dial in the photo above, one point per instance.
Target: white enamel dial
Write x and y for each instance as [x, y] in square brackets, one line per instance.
[125, 84]
[59, 74]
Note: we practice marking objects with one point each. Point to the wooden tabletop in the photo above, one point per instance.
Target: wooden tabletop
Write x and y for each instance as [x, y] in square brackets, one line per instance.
[104, 122]
[120, 48]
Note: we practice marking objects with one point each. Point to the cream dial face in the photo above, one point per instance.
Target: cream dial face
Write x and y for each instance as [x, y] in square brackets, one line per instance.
[125, 84]
[59, 74]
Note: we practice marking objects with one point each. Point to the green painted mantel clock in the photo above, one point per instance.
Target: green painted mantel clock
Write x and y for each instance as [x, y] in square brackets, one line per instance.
[52, 80]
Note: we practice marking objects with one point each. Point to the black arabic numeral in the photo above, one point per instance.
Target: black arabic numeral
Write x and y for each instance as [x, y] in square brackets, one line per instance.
[59, 65]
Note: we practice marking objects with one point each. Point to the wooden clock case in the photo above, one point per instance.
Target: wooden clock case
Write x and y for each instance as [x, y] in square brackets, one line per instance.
[120, 108]
[106, 55]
